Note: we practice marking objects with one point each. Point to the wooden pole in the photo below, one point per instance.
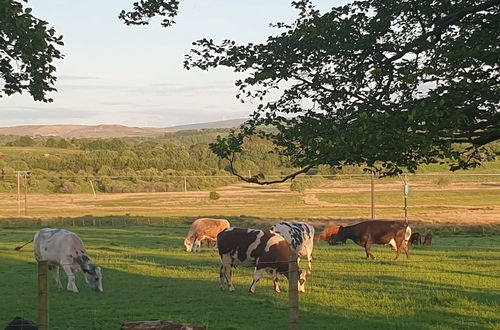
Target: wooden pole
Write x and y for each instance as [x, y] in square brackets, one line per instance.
[185, 184]
[25, 194]
[406, 191]
[18, 194]
[93, 190]
[293, 292]
[372, 190]
[43, 296]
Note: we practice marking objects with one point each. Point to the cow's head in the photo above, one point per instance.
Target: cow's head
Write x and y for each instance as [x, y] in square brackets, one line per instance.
[339, 238]
[302, 281]
[188, 244]
[94, 278]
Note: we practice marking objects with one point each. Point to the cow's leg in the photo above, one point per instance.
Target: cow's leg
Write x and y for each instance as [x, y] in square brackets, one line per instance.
[368, 247]
[221, 277]
[57, 277]
[226, 272]
[274, 276]
[257, 275]
[71, 279]
[197, 245]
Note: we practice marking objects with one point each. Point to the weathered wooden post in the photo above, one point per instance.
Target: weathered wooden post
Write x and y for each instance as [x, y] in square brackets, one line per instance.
[293, 291]
[185, 184]
[406, 192]
[372, 190]
[43, 296]
[18, 194]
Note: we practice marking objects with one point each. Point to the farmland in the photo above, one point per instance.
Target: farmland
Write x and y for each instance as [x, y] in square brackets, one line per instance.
[452, 284]
[137, 239]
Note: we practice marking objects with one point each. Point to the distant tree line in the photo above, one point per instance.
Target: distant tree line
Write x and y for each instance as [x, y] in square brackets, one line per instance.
[118, 165]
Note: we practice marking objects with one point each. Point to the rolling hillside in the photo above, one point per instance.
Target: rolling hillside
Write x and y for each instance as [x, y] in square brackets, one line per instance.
[108, 131]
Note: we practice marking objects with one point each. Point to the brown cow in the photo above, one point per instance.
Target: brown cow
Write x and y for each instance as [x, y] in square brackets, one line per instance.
[328, 233]
[204, 230]
[394, 233]
[265, 251]
[415, 239]
[428, 239]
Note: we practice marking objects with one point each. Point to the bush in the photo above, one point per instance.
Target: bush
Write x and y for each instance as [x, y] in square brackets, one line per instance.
[214, 195]
[69, 187]
[300, 185]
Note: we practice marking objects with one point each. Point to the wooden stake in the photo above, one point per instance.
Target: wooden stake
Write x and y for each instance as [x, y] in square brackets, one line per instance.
[372, 189]
[43, 296]
[293, 292]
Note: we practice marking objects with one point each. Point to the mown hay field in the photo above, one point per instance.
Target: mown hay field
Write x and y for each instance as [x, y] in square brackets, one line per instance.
[453, 284]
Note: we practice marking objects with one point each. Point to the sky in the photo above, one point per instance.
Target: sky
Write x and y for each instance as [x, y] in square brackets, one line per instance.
[134, 75]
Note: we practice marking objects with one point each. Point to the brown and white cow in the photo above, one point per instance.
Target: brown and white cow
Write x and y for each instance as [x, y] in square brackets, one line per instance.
[62, 248]
[204, 230]
[328, 233]
[299, 235]
[365, 234]
[265, 251]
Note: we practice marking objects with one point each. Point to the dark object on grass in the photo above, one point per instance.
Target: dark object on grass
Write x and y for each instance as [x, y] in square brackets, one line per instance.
[428, 239]
[160, 325]
[415, 239]
[18, 323]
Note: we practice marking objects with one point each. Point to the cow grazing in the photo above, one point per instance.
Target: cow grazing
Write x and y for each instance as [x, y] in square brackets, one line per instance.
[365, 234]
[204, 230]
[328, 233]
[415, 239]
[299, 235]
[62, 248]
[265, 251]
[428, 239]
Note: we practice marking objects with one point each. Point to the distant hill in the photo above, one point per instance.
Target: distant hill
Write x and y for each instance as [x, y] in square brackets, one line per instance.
[108, 131]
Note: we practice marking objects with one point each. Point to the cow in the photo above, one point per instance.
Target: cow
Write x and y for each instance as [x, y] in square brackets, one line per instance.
[300, 236]
[265, 251]
[204, 230]
[428, 239]
[328, 233]
[394, 233]
[415, 239]
[63, 248]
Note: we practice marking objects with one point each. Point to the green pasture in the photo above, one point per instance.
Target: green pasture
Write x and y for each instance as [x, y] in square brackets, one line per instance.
[453, 284]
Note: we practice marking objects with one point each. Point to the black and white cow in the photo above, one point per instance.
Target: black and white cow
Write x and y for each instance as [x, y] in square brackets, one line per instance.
[299, 235]
[365, 234]
[265, 251]
[63, 248]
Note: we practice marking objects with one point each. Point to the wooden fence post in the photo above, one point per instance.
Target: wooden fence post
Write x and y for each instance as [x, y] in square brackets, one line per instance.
[293, 291]
[372, 193]
[43, 296]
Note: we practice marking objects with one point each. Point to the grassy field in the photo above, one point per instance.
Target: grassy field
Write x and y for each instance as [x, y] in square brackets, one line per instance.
[453, 284]
[453, 202]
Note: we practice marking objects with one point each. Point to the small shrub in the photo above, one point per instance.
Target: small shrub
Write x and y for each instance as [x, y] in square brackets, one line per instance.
[69, 187]
[214, 195]
[300, 185]
[443, 181]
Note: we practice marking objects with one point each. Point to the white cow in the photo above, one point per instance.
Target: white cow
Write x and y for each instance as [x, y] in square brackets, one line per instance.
[299, 235]
[62, 248]
[204, 229]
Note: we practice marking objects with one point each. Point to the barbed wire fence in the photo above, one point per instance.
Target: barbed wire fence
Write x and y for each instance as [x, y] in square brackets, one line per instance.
[319, 282]
[366, 183]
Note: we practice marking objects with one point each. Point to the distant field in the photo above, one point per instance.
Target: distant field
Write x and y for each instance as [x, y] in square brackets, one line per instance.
[342, 200]
[453, 284]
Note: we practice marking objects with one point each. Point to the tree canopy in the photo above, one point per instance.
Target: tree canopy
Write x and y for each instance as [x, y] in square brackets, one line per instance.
[27, 50]
[389, 85]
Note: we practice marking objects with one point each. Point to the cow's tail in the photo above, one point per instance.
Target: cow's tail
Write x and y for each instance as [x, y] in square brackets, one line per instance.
[21, 246]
